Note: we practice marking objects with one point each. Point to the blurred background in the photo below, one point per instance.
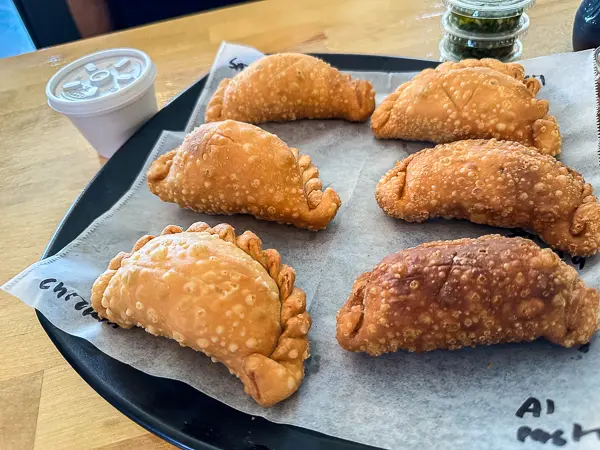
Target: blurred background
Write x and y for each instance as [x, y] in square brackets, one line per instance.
[29, 24]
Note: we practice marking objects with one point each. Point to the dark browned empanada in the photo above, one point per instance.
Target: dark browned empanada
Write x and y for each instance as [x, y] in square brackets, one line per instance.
[452, 294]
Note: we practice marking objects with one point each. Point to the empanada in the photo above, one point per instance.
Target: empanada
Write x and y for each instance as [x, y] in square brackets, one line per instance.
[233, 167]
[497, 183]
[291, 86]
[514, 70]
[466, 101]
[452, 294]
[216, 293]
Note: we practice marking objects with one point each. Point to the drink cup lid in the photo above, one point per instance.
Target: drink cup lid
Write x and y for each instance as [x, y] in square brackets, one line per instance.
[101, 82]
[487, 9]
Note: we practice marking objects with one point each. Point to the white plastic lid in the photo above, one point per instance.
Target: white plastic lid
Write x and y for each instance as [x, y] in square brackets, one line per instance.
[486, 9]
[101, 82]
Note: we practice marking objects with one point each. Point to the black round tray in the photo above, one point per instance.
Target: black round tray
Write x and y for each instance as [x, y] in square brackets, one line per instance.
[171, 409]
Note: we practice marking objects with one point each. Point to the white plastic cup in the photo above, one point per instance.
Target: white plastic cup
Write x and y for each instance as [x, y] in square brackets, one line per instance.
[107, 95]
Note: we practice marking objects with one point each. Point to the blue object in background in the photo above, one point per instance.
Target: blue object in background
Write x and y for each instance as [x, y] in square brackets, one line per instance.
[14, 38]
[586, 28]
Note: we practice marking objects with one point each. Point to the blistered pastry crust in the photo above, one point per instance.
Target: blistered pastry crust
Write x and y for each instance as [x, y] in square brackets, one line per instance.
[291, 86]
[469, 100]
[496, 183]
[467, 292]
[232, 167]
[514, 70]
[217, 293]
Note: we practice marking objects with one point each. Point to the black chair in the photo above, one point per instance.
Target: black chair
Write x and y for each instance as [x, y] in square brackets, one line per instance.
[50, 22]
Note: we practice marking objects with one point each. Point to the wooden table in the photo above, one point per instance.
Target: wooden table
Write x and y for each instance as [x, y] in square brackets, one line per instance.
[45, 163]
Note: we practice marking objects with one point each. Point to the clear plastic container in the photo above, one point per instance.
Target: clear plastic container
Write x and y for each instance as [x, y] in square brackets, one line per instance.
[487, 16]
[452, 51]
[460, 44]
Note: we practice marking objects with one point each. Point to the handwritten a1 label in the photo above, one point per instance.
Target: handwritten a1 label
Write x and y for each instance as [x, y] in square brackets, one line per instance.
[534, 407]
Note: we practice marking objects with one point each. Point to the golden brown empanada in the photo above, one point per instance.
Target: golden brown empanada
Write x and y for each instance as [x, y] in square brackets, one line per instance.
[216, 293]
[514, 70]
[291, 86]
[497, 183]
[452, 294]
[468, 100]
[233, 167]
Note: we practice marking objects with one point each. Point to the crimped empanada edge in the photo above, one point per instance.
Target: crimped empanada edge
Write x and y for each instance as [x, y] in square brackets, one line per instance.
[295, 320]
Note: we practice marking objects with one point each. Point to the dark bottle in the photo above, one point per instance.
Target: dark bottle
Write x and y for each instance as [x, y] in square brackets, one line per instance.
[586, 29]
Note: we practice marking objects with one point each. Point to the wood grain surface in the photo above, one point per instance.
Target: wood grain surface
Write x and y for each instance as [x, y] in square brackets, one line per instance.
[45, 163]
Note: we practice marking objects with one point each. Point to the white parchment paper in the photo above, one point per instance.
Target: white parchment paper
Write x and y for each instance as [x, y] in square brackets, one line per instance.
[463, 399]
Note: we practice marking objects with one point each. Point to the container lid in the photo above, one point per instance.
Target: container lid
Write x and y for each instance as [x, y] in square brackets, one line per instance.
[101, 82]
[447, 54]
[483, 40]
[487, 9]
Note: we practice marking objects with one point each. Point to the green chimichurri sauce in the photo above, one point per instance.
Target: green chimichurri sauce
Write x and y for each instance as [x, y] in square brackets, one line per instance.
[466, 52]
[491, 25]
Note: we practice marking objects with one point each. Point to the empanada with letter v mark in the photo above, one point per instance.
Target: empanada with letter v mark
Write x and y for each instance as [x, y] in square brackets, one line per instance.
[469, 100]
